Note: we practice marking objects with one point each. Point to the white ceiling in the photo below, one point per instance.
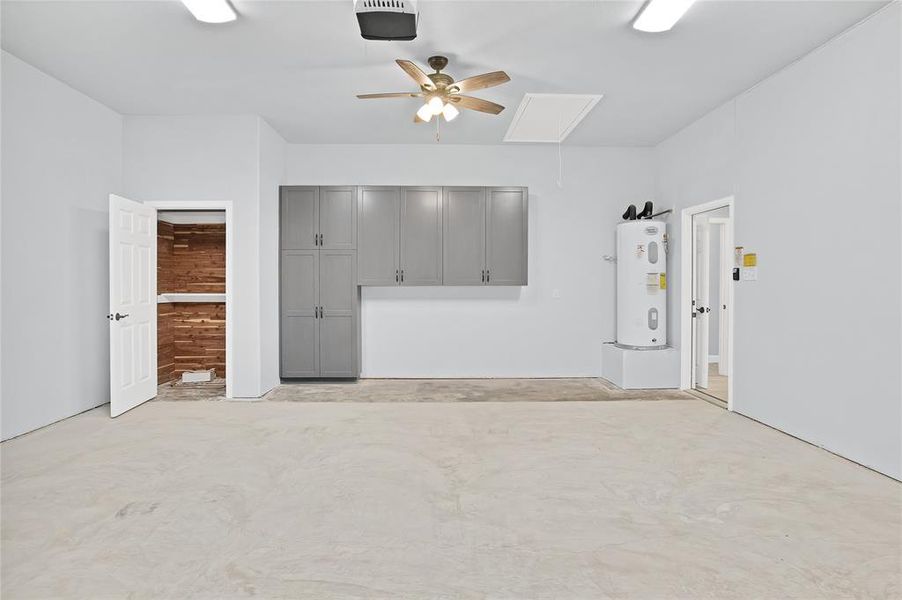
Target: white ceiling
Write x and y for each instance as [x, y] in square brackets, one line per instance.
[299, 64]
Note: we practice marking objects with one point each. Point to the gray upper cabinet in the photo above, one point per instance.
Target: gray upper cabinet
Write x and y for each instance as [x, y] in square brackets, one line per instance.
[506, 236]
[338, 217]
[338, 321]
[421, 236]
[299, 217]
[463, 237]
[378, 235]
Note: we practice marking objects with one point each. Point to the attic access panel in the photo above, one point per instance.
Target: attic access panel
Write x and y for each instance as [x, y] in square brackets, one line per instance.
[549, 118]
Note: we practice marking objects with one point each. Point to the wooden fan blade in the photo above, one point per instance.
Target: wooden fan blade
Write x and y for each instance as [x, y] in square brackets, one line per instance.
[480, 82]
[391, 95]
[416, 74]
[477, 104]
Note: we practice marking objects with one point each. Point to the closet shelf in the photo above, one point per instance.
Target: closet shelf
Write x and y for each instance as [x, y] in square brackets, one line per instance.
[188, 297]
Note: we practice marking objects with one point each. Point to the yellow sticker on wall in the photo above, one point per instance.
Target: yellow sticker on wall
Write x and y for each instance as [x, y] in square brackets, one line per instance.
[663, 281]
[750, 259]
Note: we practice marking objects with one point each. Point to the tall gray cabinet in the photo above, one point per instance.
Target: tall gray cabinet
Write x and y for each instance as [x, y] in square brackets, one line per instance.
[319, 302]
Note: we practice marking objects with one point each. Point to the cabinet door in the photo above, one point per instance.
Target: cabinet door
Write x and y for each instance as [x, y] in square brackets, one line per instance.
[463, 236]
[300, 327]
[338, 218]
[377, 235]
[299, 217]
[506, 236]
[421, 236]
[338, 325]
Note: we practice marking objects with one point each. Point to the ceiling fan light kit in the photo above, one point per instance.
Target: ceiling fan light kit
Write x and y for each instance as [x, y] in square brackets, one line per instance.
[444, 96]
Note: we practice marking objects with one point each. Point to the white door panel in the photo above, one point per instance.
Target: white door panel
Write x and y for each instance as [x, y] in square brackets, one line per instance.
[133, 304]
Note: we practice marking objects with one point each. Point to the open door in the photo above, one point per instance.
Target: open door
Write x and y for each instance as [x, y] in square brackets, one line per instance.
[700, 306]
[133, 304]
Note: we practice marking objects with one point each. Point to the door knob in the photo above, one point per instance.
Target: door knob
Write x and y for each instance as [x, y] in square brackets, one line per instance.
[118, 316]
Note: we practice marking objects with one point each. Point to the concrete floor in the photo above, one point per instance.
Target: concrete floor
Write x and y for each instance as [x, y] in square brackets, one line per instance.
[439, 500]
[432, 390]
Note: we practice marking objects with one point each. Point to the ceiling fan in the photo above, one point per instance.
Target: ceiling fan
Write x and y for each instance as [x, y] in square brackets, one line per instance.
[442, 93]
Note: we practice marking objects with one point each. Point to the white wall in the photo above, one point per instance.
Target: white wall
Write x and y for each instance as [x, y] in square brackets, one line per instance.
[61, 158]
[215, 158]
[812, 155]
[489, 331]
[272, 170]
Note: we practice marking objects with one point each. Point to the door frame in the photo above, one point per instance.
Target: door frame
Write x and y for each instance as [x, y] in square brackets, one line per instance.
[685, 300]
[223, 205]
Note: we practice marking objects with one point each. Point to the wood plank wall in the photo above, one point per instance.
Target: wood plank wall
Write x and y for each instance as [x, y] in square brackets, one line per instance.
[191, 336]
[192, 259]
[194, 334]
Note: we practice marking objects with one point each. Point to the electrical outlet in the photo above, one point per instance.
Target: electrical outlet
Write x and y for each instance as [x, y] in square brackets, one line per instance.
[556, 293]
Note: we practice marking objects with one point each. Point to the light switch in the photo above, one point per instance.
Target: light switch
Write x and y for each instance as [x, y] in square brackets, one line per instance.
[555, 293]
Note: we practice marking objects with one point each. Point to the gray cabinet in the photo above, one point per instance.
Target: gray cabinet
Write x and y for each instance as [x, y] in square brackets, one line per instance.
[318, 217]
[299, 298]
[421, 236]
[319, 303]
[506, 218]
[463, 237]
[338, 313]
[299, 218]
[338, 218]
[399, 238]
[485, 236]
[378, 259]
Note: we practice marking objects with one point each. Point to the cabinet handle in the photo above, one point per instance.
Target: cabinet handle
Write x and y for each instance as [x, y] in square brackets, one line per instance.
[488, 276]
[320, 239]
[483, 276]
[397, 276]
[402, 275]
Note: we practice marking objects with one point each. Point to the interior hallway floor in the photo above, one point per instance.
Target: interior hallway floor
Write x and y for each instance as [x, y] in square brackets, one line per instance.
[439, 500]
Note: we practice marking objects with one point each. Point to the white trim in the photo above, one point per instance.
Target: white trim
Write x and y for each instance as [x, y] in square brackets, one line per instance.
[685, 303]
[230, 265]
[713, 358]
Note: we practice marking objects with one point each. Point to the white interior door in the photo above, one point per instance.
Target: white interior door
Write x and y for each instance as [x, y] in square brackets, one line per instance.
[701, 282]
[133, 304]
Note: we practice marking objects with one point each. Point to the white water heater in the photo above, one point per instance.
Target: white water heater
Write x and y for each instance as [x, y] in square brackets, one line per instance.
[642, 284]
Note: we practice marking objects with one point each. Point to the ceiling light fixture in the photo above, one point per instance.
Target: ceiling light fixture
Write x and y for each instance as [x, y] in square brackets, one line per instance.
[425, 113]
[661, 15]
[211, 11]
[436, 105]
[450, 113]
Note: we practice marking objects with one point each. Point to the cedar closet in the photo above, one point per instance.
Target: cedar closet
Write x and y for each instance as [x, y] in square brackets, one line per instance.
[191, 301]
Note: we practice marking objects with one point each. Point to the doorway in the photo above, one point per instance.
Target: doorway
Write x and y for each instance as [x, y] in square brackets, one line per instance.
[707, 301]
[198, 295]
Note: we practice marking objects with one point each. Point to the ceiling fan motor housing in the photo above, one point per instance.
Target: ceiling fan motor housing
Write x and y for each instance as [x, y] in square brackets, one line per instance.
[387, 19]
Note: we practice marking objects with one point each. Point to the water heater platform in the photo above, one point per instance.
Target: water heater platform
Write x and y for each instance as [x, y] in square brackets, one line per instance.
[631, 369]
